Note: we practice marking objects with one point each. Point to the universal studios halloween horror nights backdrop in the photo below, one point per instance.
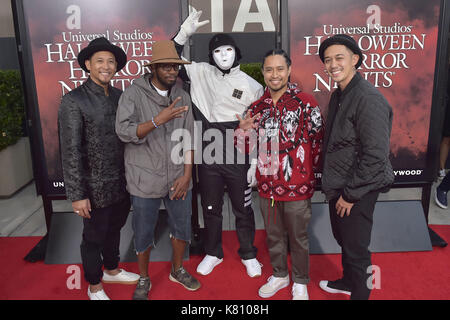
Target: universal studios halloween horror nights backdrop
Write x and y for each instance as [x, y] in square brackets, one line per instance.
[399, 40]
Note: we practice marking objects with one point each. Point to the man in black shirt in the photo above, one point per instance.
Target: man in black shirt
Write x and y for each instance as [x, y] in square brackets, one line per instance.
[356, 165]
[93, 165]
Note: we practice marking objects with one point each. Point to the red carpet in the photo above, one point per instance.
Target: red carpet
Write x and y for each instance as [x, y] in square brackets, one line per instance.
[404, 276]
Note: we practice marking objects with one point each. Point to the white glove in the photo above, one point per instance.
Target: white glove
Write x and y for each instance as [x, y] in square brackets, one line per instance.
[251, 174]
[189, 27]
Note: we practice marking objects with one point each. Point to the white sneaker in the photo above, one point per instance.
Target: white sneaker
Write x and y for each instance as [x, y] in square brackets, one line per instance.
[253, 267]
[273, 285]
[99, 295]
[208, 264]
[299, 292]
[123, 277]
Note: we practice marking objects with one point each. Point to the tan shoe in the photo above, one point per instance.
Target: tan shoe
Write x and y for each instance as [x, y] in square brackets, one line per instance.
[123, 277]
[273, 285]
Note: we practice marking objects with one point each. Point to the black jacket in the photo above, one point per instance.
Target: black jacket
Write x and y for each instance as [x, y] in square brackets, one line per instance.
[357, 142]
[91, 153]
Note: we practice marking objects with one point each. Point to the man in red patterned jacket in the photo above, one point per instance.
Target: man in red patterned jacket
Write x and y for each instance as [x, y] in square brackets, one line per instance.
[289, 129]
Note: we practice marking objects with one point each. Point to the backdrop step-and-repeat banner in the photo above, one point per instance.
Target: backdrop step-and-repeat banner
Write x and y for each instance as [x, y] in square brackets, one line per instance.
[399, 40]
[58, 30]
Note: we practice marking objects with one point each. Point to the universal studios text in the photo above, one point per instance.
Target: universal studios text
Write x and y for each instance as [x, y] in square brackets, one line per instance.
[385, 48]
[137, 45]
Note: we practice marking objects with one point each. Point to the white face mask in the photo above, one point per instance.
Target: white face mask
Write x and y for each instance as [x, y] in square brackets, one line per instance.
[224, 56]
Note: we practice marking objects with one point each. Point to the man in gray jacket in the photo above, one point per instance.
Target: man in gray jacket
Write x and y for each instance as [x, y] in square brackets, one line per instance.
[356, 165]
[148, 117]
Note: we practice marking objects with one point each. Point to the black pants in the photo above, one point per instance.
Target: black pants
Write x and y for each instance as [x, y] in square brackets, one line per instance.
[353, 234]
[212, 180]
[101, 240]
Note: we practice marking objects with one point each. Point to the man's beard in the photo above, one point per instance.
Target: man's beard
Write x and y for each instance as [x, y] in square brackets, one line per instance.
[167, 84]
[278, 89]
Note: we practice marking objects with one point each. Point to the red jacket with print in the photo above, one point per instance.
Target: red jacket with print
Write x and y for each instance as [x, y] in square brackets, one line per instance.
[289, 140]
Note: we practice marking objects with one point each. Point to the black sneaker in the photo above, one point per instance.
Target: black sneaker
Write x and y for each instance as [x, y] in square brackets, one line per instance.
[184, 278]
[440, 197]
[142, 288]
[336, 286]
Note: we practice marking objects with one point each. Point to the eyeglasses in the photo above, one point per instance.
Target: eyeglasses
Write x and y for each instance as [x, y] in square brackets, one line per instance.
[169, 66]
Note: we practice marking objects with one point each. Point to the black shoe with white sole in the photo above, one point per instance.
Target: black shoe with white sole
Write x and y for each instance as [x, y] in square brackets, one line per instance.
[336, 286]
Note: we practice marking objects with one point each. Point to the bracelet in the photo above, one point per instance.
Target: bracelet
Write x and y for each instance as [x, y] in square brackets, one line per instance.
[154, 123]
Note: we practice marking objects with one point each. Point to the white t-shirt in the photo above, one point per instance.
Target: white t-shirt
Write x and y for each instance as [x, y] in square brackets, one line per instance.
[163, 93]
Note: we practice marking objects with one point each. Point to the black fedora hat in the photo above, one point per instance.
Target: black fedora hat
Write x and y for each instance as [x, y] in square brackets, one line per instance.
[341, 39]
[102, 44]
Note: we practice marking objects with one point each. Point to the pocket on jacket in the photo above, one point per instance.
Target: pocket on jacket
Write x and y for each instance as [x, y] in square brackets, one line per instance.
[142, 160]
[150, 181]
[144, 181]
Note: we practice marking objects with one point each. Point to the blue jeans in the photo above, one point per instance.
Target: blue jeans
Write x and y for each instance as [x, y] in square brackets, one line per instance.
[145, 217]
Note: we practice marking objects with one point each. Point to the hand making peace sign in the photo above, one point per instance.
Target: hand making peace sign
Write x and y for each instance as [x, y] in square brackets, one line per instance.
[171, 112]
[248, 122]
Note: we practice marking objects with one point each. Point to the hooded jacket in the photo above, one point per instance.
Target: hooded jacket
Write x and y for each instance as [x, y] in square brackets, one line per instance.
[217, 96]
[295, 124]
[153, 163]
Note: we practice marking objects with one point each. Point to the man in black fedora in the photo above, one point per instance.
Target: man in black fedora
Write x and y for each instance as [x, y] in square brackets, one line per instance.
[356, 165]
[93, 165]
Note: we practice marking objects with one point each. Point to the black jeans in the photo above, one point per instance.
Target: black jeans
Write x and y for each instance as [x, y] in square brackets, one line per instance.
[212, 180]
[353, 234]
[101, 240]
